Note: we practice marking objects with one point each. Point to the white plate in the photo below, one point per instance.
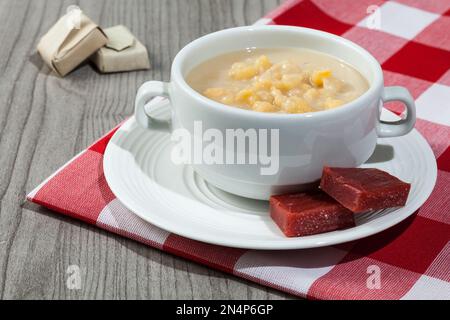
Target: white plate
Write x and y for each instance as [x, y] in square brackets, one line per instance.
[140, 173]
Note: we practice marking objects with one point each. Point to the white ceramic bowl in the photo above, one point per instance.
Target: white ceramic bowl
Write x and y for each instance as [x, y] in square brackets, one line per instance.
[342, 137]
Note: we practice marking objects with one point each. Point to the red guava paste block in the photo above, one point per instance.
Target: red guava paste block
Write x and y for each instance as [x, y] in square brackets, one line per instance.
[307, 213]
[362, 190]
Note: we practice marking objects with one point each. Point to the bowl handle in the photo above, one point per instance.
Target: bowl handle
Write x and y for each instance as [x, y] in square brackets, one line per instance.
[147, 92]
[400, 127]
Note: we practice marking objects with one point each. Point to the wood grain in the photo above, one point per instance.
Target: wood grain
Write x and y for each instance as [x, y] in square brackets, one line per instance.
[45, 121]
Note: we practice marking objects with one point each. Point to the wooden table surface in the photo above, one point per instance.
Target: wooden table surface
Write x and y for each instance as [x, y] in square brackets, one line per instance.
[45, 121]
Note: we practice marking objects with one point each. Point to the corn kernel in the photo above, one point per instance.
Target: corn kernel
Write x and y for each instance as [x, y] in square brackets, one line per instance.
[289, 67]
[295, 78]
[277, 75]
[263, 63]
[333, 85]
[263, 106]
[318, 76]
[262, 84]
[305, 86]
[279, 100]
[244, 95]
[331, 103]
[296, 105]
[295, 92]
[240, 71]
[288, 82]
[251, 100]
[311, 94]
[214, 93]
[283, 85]
[264, 96]
[228, 99]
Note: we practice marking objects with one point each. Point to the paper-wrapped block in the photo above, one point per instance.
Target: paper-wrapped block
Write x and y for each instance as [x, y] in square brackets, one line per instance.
[69, 42]
[123, 52]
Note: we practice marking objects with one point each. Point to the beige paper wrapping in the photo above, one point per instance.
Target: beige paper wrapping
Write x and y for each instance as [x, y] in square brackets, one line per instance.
[123, 52]
[66, 45]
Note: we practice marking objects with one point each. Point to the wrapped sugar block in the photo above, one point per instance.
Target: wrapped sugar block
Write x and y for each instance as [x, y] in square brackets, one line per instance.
[70, 41]
[123, 52]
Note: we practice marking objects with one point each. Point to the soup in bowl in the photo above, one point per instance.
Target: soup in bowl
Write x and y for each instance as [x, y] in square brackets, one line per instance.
[282, 80]
[312, 99]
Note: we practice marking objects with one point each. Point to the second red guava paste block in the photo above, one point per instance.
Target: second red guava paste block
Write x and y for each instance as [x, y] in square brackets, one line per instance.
[308, 213]
[360, 189]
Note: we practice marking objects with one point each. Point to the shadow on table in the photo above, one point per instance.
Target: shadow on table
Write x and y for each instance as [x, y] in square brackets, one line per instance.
[36, 60]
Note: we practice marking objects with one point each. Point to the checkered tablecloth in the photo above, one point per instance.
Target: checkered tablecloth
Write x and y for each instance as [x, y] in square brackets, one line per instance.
[411, 40]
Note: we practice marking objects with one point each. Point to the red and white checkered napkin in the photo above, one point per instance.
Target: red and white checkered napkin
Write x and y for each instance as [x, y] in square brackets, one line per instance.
[412, 43]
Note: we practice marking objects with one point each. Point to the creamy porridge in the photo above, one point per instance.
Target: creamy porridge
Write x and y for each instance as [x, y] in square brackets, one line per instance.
[278, 80]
